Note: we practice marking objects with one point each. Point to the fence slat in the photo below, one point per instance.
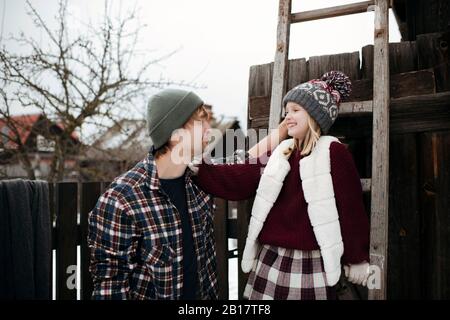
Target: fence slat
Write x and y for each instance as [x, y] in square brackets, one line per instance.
[243, 218]
[66, 241]
[90, 193]
[220, 234]
[51, 199]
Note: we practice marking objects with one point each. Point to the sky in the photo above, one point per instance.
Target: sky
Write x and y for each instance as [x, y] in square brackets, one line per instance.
[216, 41]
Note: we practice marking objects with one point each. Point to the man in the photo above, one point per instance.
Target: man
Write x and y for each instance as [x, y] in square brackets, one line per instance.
[151, 233]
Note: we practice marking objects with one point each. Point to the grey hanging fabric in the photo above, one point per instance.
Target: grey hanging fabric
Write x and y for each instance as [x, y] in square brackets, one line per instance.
[26, 251]
[6, 260]
[40, 213]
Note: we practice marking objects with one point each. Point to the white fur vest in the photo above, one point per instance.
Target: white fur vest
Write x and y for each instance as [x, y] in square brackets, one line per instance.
[317, 184]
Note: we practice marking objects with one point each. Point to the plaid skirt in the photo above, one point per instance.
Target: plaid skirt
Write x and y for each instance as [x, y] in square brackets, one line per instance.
[288, 274]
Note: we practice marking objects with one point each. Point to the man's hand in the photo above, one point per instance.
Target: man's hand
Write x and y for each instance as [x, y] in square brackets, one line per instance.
[357, 273]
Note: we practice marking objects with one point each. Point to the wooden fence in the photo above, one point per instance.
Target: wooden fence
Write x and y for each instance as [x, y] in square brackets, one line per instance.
[68, 200]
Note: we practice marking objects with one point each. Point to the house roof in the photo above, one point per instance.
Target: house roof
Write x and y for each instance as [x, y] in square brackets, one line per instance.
[24, 124]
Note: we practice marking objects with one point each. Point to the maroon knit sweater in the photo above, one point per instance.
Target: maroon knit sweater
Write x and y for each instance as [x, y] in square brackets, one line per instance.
[287, 224]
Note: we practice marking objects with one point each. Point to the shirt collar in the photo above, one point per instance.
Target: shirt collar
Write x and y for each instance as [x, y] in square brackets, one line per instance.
[152, 172]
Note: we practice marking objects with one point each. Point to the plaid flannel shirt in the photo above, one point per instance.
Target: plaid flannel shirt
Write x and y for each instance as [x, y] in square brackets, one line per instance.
[135, 239]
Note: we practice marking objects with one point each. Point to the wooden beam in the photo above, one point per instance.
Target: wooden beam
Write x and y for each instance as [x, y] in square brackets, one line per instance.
[356, 108]
[259, 108]
[331, 12]
[380, 149]
[414, 83]
[406, 84]
[280, 68]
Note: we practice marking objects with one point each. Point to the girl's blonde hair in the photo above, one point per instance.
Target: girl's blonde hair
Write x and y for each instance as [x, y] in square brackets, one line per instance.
[309, 142]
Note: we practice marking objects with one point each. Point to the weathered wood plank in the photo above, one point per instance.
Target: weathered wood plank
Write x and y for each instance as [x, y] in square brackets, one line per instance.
[408, 114]
[243, 218]
[345, 62]
[380, 149]
[331, 12]
[90, 192]
[52, 206]
[442, 76]
[260, 80]
[432, 49]
[232, 228]
[259, 108]
[66, 241]
[355, 108]
[404, 260]
[423, 16]
[402, 58]
[367, 62]
[280, 68]
[434, 194]
[298, 72]
[220, 234]
[401, 85]
[260, 123]
[420, 113]
[433, 52]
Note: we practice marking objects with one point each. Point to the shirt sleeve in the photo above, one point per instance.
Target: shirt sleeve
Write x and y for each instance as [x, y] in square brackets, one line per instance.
[354, 220]
[110, 240]
[231, 181]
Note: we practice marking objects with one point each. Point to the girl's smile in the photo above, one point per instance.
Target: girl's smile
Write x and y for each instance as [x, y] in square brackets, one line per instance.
[296, 120]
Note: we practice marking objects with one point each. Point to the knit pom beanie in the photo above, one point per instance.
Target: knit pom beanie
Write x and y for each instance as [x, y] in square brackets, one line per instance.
[321, 97]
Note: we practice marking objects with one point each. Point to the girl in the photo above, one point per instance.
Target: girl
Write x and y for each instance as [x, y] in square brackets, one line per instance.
[308, 215]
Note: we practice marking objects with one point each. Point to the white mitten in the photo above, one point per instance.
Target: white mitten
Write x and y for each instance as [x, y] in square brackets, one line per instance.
[249, 256]
[357, 273]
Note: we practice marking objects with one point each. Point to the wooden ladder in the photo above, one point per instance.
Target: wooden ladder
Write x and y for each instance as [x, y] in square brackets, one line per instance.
[379, 184]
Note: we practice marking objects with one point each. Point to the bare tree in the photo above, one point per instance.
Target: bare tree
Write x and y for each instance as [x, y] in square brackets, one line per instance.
[76, 80]
[13, 137]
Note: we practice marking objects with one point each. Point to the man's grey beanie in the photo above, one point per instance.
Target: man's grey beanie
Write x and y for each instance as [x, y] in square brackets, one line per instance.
[321, 97]
[169, 110]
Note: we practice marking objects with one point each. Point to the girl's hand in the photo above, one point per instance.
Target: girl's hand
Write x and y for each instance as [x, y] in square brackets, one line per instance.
[282, 129]
[270, 142]
[357, 273]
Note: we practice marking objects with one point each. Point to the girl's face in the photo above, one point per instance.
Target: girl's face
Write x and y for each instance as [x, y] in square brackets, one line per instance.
[296, 120]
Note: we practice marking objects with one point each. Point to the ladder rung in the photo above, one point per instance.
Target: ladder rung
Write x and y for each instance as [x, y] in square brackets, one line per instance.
[356, 107]
[366, 185]
[331, 12]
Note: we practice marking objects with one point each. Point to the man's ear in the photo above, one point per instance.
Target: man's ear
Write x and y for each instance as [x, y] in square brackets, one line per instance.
[176, 137]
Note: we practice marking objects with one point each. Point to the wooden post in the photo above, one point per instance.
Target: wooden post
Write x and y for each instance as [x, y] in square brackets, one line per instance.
[280, 68]
[380, 149]
[220, 233]
[90, 192]
[66, 241]
[243, 219]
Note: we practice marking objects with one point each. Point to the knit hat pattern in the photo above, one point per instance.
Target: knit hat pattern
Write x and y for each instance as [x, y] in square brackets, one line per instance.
[321, 97]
